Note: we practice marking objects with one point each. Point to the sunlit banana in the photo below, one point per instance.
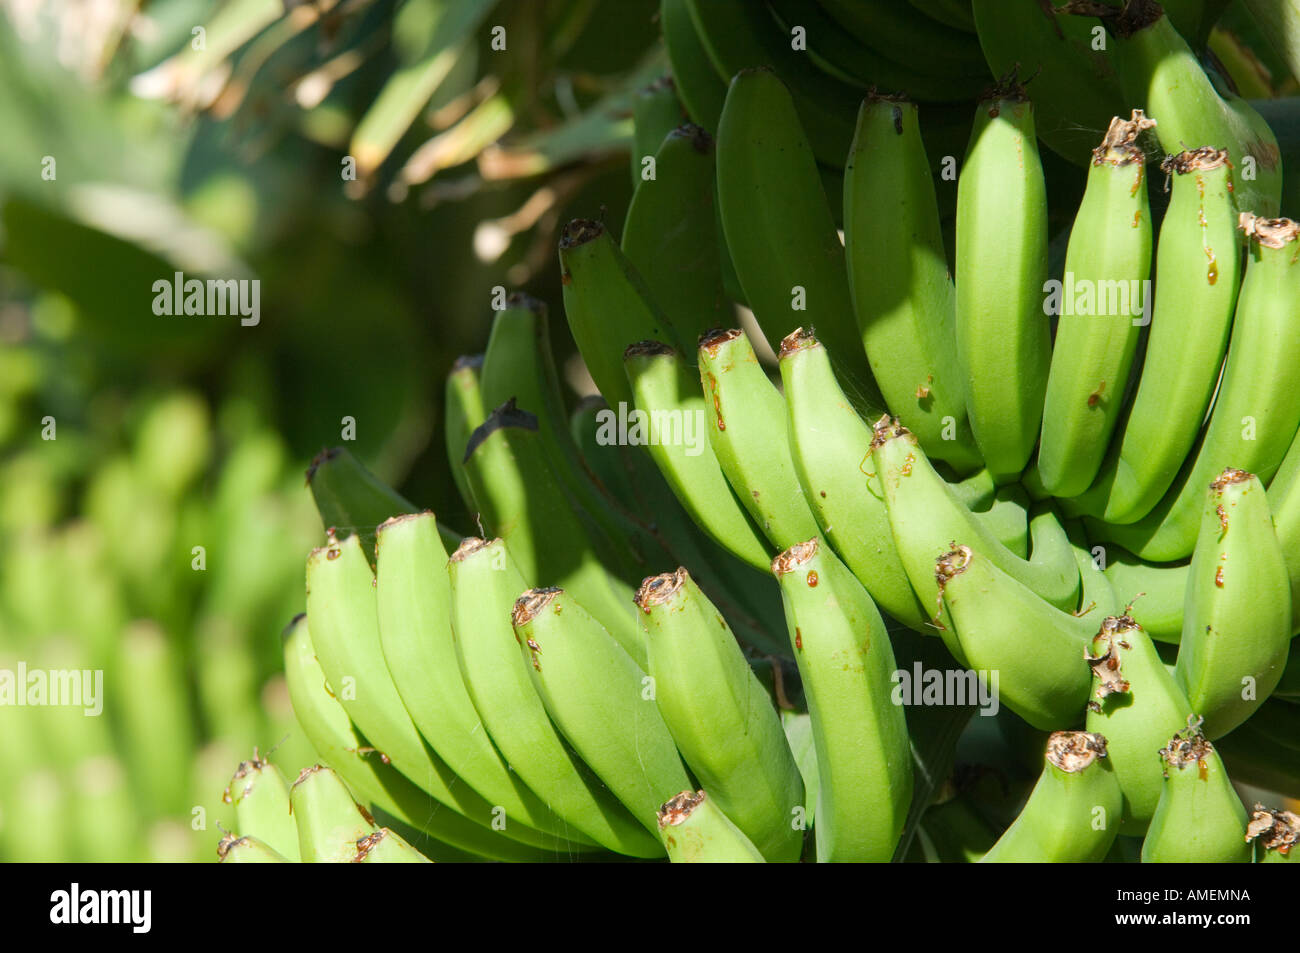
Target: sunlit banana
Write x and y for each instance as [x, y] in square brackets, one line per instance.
[1199, 818]
[1072, 815]
[864, 763]
[1237, 620]
[1134, 702]
[484, 585]
[720, 716]
[248, 850]
[329, 822]
[600, 699]
[386, 846]
[1003, 336]
[747, 429]
[1199, 267]
[695, 831]
[1257, 410]
[261, 798]
[780, 229]
[1101, 311]
[898, 274]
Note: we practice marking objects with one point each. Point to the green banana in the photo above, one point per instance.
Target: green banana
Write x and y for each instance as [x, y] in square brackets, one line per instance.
[600, 699]
[667, 391]
[898, 275]
[608, 305]
[957, 832]
[1160, 74]
[719, 715]
[520, 499]
[413, 596]
[1109, 263]
[1257, 410]
[463, 411]
[1237, 620]
[985, 615]
[1072, 813]
[954, 13]
[386, 846]
[701, 90]
[261, 798]
[695, 831]
[896, 29]
[1198, 264]
[1199, 818]
[1003, 336]
[329, 822]
[1284, 503]
[1135, 704]
[1097, 597]
[1276, 833]
[655, 113]
[485, 582]
[864, 763]
[755, 459]
[780, 229]
[670, 235]
[926, 516]
[248, 850]
[369, 773]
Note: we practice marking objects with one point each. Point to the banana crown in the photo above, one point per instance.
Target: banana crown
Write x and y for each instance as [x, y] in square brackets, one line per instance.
[1275, 830]
[1075, 751]
[678, 809]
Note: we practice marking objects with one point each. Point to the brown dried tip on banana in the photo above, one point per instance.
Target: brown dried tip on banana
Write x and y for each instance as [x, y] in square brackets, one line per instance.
[1187, 747]
[946, 568]
[1194, 160]
[887, 428]
[1008, 89]
[646, 349]
[656, 590]
[1106, 665]
[1123, 21]
[797, 340]
[244, 770]
[1074, 751]
[794, 557]
[715, 338]
[472, 361]
[227, 842]
[468, 547]
[1230, 476]
[1119, 145]
[1275, 830]
[700, 139]
[531, 603]
[580, 231]
[368, 843]
[1269, 232]
[679, 808]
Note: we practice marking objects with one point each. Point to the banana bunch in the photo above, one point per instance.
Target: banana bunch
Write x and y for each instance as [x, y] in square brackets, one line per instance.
[975, 464]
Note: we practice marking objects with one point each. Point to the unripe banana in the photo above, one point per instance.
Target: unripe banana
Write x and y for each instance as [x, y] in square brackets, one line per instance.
[608, 305]
[655, 113]
[600, 699]
[329, 822]
[780, 229]
[1275, 834]
[1198, 264]
[701, 89]
[669, 394]
[1073, 812]
[748, 432]
[1003, 336]
[1109, 261]
[864, 762]
[695, 831]
[1199, 818]
[463, 411]
[261, 798]
[1284, 503]
[414, 605]
[485, 582]
[1237, 621]
[386, 846]
[1135, 703]
[1097, 597]
[1257, 410]
[986, 613]
[898, 275]
[720, 716]
[248, 850]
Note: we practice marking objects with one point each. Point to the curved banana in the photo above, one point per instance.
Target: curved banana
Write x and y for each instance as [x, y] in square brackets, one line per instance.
[1257, 410]
[695, 831]
[600, 699]
[1276, 834]
[721, 718]
[864, 762]
[748, 431]
[1135, 704]
[896, 29]
[1003, 334]
[1101, 308]
[463, 411]
[926, 516]
[484, 585]
[1199, 818]
[261, 798]
[1284, 503]
[607, 304]
[670, 234]
[1199, 267]
[898, 275]
[655, 113]
[987, 616]
[1237, 621]
[1097, 597]
[1072, 813]
[329, 822]
[414, 604]
[780, 228]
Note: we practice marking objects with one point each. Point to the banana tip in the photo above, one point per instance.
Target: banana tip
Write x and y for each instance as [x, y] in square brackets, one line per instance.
[528, 606]
[1074, 751]
[794, 557]
[679, 808]
[657, 590]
